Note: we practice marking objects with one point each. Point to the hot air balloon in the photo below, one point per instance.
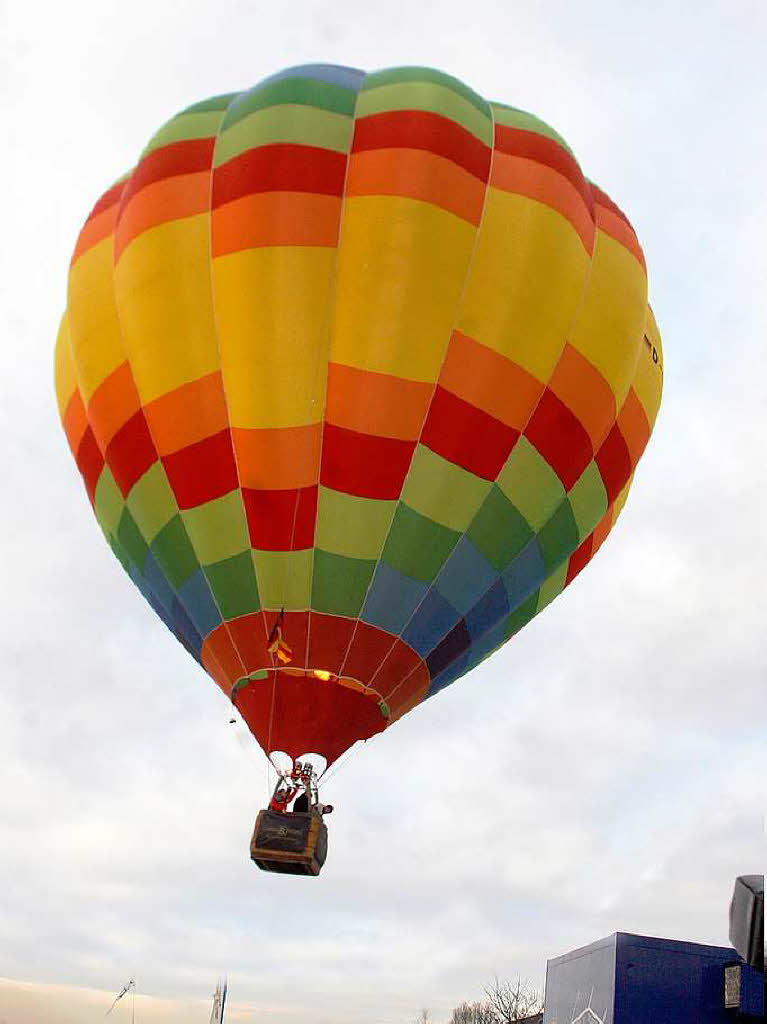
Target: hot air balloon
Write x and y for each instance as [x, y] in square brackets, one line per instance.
[357, 369]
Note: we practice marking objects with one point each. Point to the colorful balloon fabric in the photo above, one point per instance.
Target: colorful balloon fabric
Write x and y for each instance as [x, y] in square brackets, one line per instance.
[357, 369]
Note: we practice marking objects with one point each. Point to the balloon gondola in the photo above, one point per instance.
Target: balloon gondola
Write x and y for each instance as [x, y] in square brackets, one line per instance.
[357, 369]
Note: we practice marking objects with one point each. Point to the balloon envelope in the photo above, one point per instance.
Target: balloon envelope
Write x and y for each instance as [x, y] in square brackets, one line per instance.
[357, 369]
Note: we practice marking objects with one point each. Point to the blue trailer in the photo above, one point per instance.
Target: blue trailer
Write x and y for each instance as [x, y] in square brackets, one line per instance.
[634, 979]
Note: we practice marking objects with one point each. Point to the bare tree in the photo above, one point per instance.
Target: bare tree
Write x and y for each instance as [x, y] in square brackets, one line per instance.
[473, 1013]
[424, 1017]
[512, 1001]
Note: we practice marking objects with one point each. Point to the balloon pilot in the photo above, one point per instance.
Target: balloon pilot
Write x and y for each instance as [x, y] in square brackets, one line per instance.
[300, 782]
[282, 795]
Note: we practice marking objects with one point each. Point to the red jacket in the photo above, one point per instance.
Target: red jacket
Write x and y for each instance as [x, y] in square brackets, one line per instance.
[282, 798]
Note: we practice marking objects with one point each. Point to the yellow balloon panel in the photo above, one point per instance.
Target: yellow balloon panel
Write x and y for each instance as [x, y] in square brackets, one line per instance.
[163, 292]
[64, 371]
[386, 321]
[279, 295]
[97, 341]
[526, 282]
[608, 330]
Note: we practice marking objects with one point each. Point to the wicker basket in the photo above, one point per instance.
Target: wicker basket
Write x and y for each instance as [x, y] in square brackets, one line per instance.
[290, 843]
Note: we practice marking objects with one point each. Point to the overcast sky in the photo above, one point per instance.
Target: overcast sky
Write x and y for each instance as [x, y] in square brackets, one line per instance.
[604, 772]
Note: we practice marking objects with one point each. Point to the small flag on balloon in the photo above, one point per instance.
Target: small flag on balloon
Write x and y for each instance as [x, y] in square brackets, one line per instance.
[281, 650]
[277, 645]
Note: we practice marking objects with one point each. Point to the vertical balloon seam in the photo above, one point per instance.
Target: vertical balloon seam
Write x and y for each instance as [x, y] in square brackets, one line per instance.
[576, 313]
[224, 620]
[467, 275]
[210, 654]
[308, 74]
[176, 590]
[273, 674]
[64, 340]
[169, 621]
[235, 98]
[246, 668]
[231, 98]
[323, 333]
[311, 73]
[149, 590]
[65, 353]
[292, 72]
[459, 306]
[331, 305]
[262, 611]
[431, 583]
[552, 570]
[489, 107]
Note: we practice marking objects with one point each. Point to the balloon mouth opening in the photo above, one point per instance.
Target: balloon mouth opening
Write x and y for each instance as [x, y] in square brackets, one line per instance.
[283, 762]
[320, 676]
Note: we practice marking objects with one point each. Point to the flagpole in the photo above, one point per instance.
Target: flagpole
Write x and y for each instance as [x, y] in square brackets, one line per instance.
[130, 987]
